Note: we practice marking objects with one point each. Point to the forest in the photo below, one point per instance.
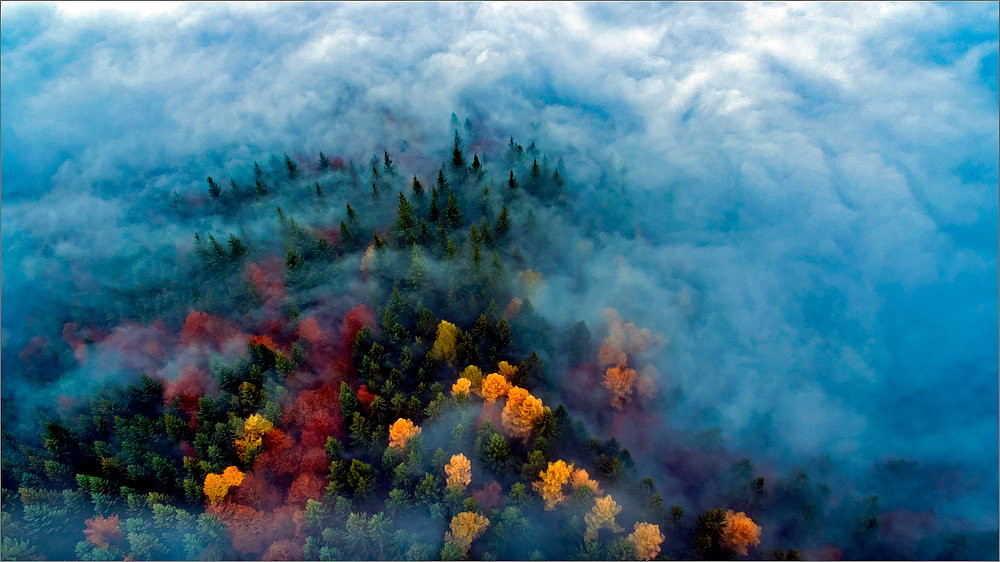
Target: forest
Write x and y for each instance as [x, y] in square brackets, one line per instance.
[373, 382]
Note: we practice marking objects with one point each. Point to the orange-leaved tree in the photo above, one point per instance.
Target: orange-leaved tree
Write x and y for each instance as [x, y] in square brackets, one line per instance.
[602, 515]
[647, 539]
[465, 528]
[506, 370]
[400, 432]
[217, 485]
[581, 478]
[520, 413]
[494, 387]
[103, 531]
[740, 532]
[552, 482]
[459, 471]
[444, 345]
[461, 387]
[254, 429]
[618, 380]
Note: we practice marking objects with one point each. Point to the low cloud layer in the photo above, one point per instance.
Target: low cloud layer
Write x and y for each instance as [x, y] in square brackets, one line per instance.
[807, 193]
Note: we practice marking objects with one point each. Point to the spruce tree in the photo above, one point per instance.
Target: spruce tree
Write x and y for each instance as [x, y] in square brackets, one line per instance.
[512, 182]
[346, 238]
[503, 224]
[442, 183]
[418, 188]
[475, 163]
[435, 212]
[293, 168]
[457, 159]
[213, 188]
[453, 215]
[389, 167]
[324, 162]
[352, 215]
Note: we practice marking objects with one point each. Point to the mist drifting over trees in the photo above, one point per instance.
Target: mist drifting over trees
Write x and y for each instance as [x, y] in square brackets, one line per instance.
[463, 281]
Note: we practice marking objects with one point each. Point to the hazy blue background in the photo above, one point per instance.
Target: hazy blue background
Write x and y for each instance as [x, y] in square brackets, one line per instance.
[814, 187]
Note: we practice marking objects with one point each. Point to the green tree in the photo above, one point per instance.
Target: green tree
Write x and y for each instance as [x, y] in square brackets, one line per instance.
[512, 182]
[213, 188]
[389, 168]
[434, 213]
[457, 158]
[503, 225]
[293, 168]
[324, 162]
[453, 215]
[418, 188]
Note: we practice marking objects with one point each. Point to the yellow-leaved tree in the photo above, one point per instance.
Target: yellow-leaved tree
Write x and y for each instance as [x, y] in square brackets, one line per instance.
[465, 528]
[459, 471]
[254, 429]
[647, 539]
[495, 386]
[553, 478]
[474, 374]
[400, 432]
[461, 387]
[602, 515]
[520, 413]
[217, 485]
[444, 345]
[506, 370]
[740, 532]
[618, 380]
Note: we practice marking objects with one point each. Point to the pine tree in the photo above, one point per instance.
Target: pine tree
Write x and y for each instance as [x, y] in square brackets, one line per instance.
[512, 182]
[213, 188]
[503, 225]
[346, 238]
[293, 168]
[457, 159]
[475, 163]
[404, 218]
[352, 215]
[435, 212]
[375, 193]
[418, 188]
[389, 168]
[324, 162]
[442, 183]
[319, 191]
[453, 215]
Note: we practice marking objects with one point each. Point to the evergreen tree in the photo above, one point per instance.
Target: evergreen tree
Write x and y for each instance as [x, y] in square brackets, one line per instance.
[375, 193]
[442, 183]
[457, 159]
[319, 191]
[324, 162]
[389, 168]
[418, 188]
[213, 188]
[404, 218]
[453, 215]
[435, 212]
[346, 238]
[512, 182]
[352, 215]
[293, 168]
[503, 225]
[476, 166]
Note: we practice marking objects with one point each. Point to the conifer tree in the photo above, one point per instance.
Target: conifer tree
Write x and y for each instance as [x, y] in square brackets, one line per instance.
[213, 188]
[435, 212]
[346, 238]
[388, 167]
[324, 162]
[442, 182]
[457, 158]
[512, 182]
[352, 215]
[503, 224]
[319, 191]
[418, 188]
[476, 166]
[293, 168]
[375, 193]
[453, 215]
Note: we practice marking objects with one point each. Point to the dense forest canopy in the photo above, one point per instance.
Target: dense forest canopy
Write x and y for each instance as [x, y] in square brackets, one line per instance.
[375, 383]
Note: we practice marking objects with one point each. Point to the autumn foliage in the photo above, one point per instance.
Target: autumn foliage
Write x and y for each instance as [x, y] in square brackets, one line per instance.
[624, 339]
[254, 429]
[400, 432]
[602, 515]
[552, 480]
[520, 413]
[495, 386]
[581, 478]
[459, 471]
[444, 345]
[647, 539]
[461, 387]
[465, 528]
[217, 485]
[741, 532]
[103, 531]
